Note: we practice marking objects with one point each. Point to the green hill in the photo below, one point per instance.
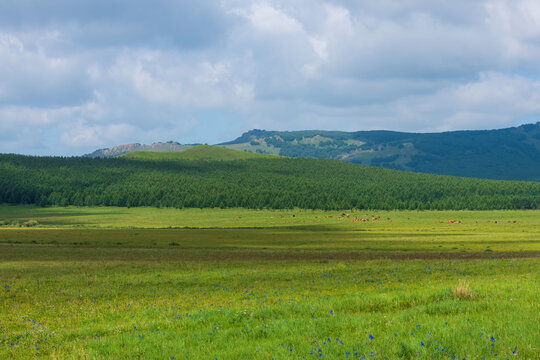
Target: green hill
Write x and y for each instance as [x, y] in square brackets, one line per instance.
[503, 154]
[506, 154]
[200, 178]
[197, 152]
[168, 146]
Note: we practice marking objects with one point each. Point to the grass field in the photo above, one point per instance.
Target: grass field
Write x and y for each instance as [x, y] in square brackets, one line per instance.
[92, 283]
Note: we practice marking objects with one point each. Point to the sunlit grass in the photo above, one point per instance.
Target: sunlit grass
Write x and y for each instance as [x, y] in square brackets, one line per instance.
[303, 289]
[265, 310]
[148, 217]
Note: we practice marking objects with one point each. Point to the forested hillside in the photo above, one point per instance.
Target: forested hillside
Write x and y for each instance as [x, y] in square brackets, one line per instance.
[504, 154]
[510, 154]
[260, 182]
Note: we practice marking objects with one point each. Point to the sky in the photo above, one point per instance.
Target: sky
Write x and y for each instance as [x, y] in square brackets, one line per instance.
[80, 75]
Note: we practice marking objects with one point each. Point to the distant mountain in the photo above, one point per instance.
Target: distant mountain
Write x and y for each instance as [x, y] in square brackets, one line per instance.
[169, 146]
[504, 154]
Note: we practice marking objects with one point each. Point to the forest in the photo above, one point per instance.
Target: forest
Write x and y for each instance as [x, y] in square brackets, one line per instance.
[263, 182]
[503, 154]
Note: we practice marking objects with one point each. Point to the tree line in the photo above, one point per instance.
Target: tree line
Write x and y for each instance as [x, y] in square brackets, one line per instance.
[280, 183]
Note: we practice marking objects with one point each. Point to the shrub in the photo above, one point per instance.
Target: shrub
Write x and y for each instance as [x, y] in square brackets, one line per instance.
[30, 223]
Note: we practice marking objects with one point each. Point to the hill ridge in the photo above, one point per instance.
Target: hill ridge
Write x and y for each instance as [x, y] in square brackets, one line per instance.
[169, 146]
[196, 152]
[504, 154]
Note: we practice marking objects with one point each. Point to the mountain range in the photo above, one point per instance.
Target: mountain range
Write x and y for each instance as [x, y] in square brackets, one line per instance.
[504, 154]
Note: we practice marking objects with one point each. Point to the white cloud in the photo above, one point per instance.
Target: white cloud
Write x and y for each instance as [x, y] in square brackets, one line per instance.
[493, 100]
[29, 129]
[517, 26]
[515, 18]
[338, 21]
[413, 65]
[265, 17]
[82, 134]
[320, 47]
[29, 74]
[169, 79]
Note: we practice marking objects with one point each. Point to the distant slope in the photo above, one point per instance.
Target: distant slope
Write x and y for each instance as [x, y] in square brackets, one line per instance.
[200, 178]
[505, 154]
[127, 148]
[510, 154]
[197, 152]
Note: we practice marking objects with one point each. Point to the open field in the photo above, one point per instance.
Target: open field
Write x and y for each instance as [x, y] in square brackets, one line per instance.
[151, 217]
[90, 283]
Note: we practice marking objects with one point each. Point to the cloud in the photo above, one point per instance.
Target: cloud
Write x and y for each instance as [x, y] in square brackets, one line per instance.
[493, 100]
[82, 134]
[267, 18]
[79, 75]
[31, 76]
[171, 79]
[118, 23]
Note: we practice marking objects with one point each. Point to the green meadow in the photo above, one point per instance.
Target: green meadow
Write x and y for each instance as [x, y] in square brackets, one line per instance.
[150, 283]
[152, 217]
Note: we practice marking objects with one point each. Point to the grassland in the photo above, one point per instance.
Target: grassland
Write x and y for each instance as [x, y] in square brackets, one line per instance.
[92, 283]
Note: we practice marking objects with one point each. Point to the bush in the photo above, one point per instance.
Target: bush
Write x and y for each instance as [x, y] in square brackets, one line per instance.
[30, 223]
